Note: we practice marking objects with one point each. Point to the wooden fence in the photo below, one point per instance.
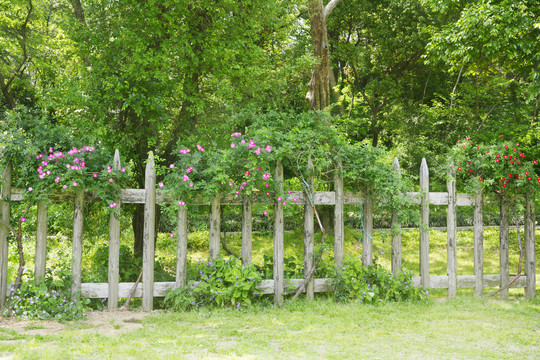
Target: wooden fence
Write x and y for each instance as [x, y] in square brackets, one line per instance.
[113, 290]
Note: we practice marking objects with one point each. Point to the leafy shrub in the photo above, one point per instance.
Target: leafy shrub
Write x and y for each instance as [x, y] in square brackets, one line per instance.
[46, 298]
[221, 282]
[294, 267]
[374, 283]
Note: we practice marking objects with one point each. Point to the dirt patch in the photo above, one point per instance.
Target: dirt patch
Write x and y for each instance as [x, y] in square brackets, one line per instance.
[108, 323]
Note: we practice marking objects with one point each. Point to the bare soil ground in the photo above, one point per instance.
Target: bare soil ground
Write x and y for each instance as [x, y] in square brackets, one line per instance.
[108, 323]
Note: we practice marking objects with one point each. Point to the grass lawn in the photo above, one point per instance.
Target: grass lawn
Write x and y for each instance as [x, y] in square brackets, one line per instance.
[464, 328]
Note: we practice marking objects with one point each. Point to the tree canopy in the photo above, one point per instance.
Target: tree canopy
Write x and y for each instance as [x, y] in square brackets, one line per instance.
[411, 76]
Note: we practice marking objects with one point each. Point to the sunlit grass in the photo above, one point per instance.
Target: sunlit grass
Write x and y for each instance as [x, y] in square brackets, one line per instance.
[464, 328]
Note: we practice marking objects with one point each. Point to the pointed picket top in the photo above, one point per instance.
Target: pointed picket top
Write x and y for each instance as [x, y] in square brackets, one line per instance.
[424, 224]
[150, 165]
[424, 172]
[117, 165]
[396, 165]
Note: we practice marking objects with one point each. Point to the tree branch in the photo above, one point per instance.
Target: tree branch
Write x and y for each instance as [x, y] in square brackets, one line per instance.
[23, 45]
[330, 6]
[231, 253]
[78, 10]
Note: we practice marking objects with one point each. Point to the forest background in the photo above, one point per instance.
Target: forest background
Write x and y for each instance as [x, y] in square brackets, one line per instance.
[410, 77]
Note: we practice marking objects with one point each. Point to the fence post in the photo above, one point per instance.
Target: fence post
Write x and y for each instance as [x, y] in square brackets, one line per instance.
[247, 224]
[424, 224]
[114, 247]
[149, 235]
[504, 266]
[41, 240]
[339, 225]
[278, 238]
[76, 266]
[4, 232]
[309, 232]
[396, 231]
[451, 223]
[181, 249]
[215, 226]
[478, 245]
[367, 242]
[530, 256]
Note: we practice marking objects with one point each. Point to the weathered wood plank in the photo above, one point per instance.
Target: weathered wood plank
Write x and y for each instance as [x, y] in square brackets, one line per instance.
[215, 227]
[114, 247]
[99, 290]
[321, 285]
[4, 231]
[530, 251]
[309, 233]
[181, 247]
[468, 281]
[424, 223]
[41, 240]
[136, 196]
[367, 238]
[451, 221]
[149, 235]
[441, 198]
[339, 222]
[77, 246]
[504, 243]
[247, 226]
[396, 231]
[478, 244]
[279, 276]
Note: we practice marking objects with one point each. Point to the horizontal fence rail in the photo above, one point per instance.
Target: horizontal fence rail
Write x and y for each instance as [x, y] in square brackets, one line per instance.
[148, 289]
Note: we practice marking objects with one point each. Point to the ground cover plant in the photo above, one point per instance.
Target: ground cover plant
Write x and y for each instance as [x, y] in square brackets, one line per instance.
[46, 298]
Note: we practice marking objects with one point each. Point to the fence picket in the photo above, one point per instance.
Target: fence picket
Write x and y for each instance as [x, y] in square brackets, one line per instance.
[339, 224]
[247, 225]
[279, 280]
[530, 241]
[367, 238]
[114, 247]
[41, 240]
[451, 262]
[478, 245]
[149, 235]
[504, 265]
[181, 249]
[215, 227]
[4, 231]
[396, 231]
[77, 246]
[424, 223]
[309, 233]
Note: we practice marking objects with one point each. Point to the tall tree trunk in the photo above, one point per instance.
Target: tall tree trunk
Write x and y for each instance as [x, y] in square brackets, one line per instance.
[137, 224]
[375, 128]
[7, 94]
[318, 95]
[78, 10]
